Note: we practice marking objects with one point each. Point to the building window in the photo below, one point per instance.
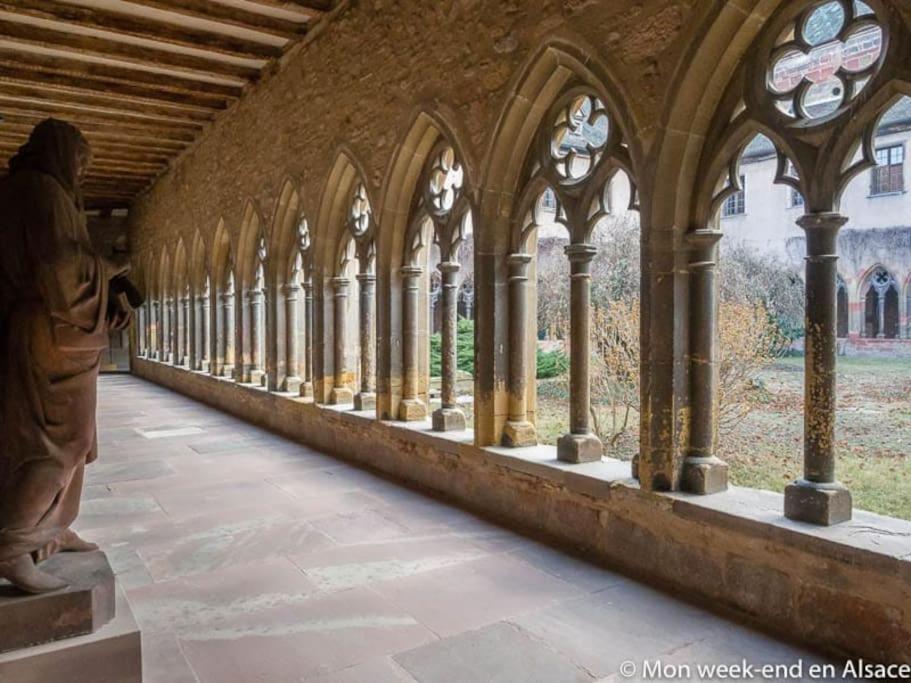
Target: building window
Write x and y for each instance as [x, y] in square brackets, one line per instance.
[736, 204]
[888, 176]
[796, 199]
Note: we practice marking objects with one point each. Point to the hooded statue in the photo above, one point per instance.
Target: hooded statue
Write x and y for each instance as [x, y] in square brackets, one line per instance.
[55, 315]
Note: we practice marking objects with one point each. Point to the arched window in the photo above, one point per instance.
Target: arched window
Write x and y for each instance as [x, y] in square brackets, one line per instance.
[356, 256]
[843, 311]
[800, 86]
[881, 309]
[440, 223]
[566, 196]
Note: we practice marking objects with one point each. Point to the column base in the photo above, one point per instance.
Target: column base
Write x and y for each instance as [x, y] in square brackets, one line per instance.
[579, 448]
[634, 467]
[365, 401]
[448, 420]
[255, 377]
[412, 410]
[340, 396]
[306, 390]
[704, 475]
[822, 504]
[519, 435]
[292, 385]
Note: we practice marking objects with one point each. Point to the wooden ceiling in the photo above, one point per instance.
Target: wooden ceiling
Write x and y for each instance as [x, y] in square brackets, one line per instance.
[140, 78]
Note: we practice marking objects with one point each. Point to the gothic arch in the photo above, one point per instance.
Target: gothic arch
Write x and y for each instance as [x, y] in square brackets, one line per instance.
[425, 130]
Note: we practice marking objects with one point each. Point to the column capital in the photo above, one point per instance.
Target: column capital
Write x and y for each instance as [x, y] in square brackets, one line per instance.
[702, 244]
[290, 288]
[822, 233]
[340, 282]
[369, 278]
[449, 266]
[519, 259]
[580, 252]
[410, 271]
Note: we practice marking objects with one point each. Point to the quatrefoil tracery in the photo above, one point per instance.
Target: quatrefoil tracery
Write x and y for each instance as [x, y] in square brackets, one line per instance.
[825, 59]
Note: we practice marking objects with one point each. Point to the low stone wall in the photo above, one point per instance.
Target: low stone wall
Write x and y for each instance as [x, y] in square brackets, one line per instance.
[845, 590]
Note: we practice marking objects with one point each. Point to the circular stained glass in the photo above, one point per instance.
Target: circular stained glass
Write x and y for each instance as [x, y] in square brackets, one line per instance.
[445, 183]
[827, 62]
[579, 136]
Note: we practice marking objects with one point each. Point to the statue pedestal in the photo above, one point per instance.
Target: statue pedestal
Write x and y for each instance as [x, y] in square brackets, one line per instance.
[71, 634]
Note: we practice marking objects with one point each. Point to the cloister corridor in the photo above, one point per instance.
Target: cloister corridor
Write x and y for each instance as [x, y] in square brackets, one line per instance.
[248, 557]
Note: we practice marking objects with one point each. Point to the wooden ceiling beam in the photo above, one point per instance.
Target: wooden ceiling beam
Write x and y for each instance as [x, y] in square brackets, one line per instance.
[92, 85]
[34, 91]
[106, 131]
[109, 140]
[47, 38]
[124, 24]
[91, 121]
[226, 14]
[14, 62]
[310, 7]
[12, 105]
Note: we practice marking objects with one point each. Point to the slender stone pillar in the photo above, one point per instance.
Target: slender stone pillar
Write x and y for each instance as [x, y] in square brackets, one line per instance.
[703, 472]
[256, 373]
[204, 332]
[228, 365]
[185, 332]
[580, 444]
[306, 389]
[341, 393]
[292, 380]
[519, 431]
[155, 332]
[881, 313]
[449, 417]
[366, 397]
[818, 497]
[411, 407]
[173, 325]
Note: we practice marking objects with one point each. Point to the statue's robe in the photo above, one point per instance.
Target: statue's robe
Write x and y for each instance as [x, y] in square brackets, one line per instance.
[53, 329]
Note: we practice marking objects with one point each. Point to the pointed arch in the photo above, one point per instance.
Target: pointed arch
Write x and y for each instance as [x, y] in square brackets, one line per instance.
[427, 129]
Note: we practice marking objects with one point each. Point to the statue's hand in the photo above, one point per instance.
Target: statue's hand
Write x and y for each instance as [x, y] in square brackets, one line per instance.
[117, 265]
[119, 313]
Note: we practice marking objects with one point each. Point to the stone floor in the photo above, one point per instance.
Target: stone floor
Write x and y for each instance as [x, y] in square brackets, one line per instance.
[248, 557]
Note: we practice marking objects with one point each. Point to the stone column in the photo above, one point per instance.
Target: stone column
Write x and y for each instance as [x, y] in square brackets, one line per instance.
[703, 472]
[173, 328]
[366, 397]
[256, 371]
[881, 313]
[185, 337]
[155, 331]
[519, 431]
[579, 444]
[292, 380]
[306, 389]
[341, 393]
[411, 407]
[203, 332]
[818, 497]
[227, 320]
[449, 417]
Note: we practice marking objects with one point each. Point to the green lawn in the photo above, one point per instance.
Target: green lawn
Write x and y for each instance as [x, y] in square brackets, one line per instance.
[765, 450]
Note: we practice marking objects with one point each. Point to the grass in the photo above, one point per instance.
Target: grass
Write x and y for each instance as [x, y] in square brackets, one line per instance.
[873, 446]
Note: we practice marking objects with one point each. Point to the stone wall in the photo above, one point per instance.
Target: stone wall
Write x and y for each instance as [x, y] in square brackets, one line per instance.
[845, 589]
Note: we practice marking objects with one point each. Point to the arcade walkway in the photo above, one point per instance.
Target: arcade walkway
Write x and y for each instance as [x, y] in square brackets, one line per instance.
[247, 557]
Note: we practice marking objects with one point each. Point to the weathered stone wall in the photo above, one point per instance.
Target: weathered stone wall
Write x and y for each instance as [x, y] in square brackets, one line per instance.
[846, 590]
[359, 85]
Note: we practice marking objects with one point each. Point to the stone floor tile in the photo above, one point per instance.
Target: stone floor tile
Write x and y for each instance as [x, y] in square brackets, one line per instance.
[472, 594]
[302, 639]
[350, 566]
[163, 660]
[364, 526]
[584, 575]
[500, 653]
[385, 670]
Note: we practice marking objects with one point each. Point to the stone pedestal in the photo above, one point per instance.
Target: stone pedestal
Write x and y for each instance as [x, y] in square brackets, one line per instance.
[75, 634]
[519, 434]
[448, 420]
[823, 504]
[365, 401]
[579, 448]
[84, 607]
